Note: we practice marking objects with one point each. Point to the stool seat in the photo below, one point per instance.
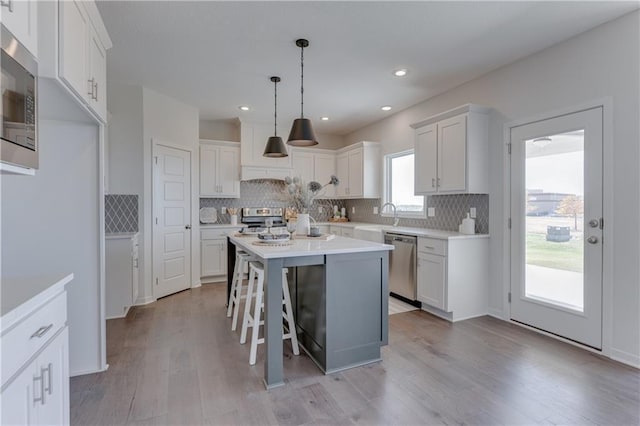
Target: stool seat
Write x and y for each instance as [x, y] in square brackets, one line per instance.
[253, 321]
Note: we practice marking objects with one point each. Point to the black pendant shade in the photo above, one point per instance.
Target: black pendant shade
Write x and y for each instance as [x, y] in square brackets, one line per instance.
[275, 147]
[302, 133]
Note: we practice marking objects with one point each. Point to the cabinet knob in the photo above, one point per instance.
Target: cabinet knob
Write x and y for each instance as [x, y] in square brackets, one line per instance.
[187, 227]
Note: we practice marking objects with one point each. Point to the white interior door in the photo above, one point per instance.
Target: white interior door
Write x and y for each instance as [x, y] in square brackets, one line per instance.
[172, 220]
[557, 225]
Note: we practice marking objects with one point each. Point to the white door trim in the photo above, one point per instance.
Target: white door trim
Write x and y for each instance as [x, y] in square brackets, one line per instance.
[155, 142]
[607, 186]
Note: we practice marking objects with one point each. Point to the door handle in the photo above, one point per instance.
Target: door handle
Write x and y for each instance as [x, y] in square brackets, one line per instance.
[592, 239]
[594, 223]
[187, 227]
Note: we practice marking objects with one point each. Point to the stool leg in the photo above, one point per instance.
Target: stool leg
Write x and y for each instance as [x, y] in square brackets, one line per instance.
[247, 307]
[234, 283]
[238, 296]
[256, 319]
[289, 314]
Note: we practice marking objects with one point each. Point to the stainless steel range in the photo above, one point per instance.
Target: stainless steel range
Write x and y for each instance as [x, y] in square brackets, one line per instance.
[256, 217]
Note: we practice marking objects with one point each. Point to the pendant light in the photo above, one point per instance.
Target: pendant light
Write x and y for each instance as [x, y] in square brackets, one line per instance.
[275, 147]
[302, 133]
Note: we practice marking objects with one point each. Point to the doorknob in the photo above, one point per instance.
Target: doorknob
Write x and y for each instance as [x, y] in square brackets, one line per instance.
[592, 239]
[187, 227]
[594, 223]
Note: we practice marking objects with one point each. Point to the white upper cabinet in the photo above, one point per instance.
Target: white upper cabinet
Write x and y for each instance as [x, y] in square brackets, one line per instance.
[451, 152]
[358, 169]
[74, 43]
[219, 169]
[253, 139]
[324, 166]
[20, 17]
[315, 165]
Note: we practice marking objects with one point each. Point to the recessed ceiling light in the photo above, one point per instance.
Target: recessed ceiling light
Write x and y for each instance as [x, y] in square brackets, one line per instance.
[324, 118]
[400, 73]
[386, 108]
[243, 108]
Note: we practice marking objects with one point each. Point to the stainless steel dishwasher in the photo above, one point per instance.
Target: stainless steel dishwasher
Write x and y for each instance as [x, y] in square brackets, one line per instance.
[402, 265]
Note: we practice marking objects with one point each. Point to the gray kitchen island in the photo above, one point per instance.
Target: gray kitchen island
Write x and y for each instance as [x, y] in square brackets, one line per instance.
[339, 293]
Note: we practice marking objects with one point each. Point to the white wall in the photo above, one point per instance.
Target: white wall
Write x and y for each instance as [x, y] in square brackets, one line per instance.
[221, 130]
[170, 121]
[125, 136]
[603, 62]
[51, 223]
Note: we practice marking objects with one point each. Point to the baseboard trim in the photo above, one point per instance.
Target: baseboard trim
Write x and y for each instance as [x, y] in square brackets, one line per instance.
[625, 358]
[496, 313]
[144, 301]
[196, 284]
[85, 372]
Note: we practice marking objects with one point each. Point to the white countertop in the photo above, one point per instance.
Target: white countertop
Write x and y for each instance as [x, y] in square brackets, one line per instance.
[306, 247]
[18, 293]
[418, 232]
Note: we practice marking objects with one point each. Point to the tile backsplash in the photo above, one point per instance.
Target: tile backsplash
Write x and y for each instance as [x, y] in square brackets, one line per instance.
[120, 213]
[266, 193]
[449, 209]
[449, 212]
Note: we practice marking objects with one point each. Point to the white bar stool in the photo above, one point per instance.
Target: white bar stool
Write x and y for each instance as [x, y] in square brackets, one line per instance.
[256, 272]
[235, 295]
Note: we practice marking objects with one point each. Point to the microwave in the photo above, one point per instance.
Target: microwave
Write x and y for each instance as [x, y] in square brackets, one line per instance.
[18, 86]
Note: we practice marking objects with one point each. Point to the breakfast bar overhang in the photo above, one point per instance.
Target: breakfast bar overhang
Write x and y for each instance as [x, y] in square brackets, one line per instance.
[340, 297]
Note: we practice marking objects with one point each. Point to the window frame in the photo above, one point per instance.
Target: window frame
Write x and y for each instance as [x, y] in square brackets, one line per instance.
[387, 165]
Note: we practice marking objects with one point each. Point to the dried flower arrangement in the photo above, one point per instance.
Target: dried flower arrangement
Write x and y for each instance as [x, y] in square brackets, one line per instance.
[301, 195]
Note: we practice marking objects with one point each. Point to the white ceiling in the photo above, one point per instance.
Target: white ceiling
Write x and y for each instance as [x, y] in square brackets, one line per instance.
[219, 55]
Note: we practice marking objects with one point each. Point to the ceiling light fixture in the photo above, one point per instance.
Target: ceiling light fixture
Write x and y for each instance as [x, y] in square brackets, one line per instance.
[243, 108]
[400, 73]
[324, 118]
[386, 108]
[275, 147]
[302, 133]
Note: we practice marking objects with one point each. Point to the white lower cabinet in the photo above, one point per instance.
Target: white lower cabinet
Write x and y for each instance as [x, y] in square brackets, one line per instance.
[35, 366]
[121, 269]
[453, 276]
[213, 253]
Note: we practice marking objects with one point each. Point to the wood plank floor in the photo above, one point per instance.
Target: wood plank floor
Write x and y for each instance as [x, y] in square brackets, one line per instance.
[176, 362]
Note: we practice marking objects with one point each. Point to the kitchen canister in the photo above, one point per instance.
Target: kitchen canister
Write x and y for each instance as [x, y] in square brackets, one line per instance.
[468, 226]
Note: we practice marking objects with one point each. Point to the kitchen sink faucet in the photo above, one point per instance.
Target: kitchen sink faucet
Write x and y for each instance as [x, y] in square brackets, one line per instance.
[395, 212]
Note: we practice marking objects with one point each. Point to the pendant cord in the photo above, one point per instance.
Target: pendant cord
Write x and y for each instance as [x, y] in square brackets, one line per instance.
[302, 82]
[275, 108]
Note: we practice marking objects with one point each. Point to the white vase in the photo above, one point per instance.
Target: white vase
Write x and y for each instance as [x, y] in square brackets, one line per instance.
[302, 224]
[234, 219]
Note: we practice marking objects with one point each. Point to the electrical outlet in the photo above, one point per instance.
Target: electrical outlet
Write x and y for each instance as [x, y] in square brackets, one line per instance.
[375, 210]
[319, 209]
[431, 211]
[472, 212]
[353, 210]
[223, 210]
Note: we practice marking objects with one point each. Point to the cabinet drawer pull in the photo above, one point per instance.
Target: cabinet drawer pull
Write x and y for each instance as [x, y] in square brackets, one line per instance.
[8, 4]
[48, 387]
[42, 331]
[35, 388]
[91, 87]
[429, 247]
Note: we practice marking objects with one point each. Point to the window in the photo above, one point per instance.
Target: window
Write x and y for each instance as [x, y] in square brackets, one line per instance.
[399, 172]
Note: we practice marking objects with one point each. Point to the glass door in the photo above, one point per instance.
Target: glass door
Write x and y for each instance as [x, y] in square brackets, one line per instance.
[557, 226]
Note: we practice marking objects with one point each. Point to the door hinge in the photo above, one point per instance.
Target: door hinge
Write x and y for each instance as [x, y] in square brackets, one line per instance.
[509, 147]
[509, 297]
[156, 281]
[509, 223]
[156, 159]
